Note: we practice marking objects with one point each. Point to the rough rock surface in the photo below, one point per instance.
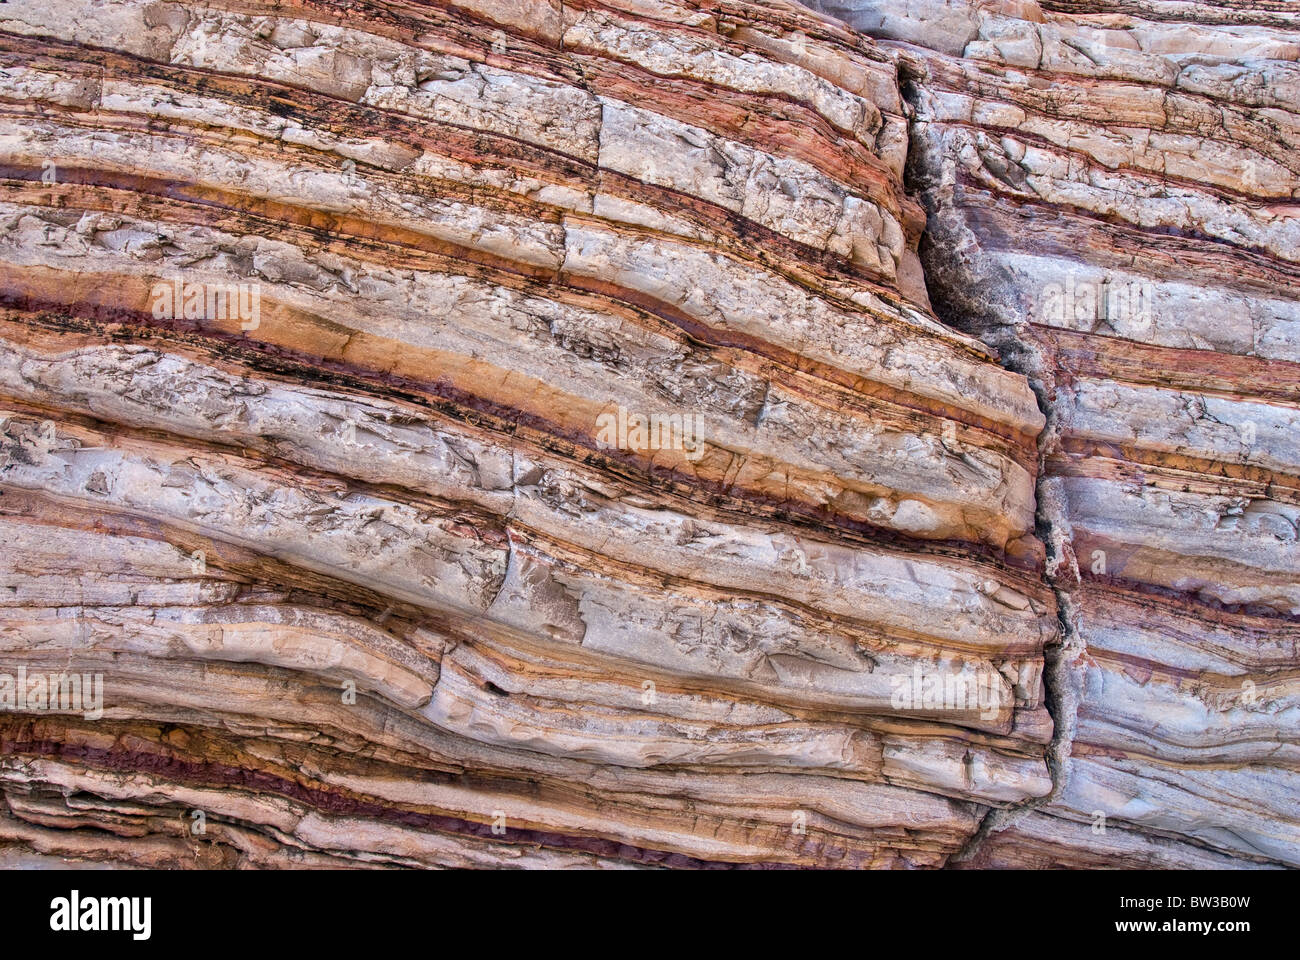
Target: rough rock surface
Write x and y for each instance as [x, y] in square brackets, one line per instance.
[1113, 193]
[938, 564]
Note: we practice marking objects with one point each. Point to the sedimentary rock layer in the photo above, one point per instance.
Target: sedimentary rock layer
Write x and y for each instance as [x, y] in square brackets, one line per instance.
[637, 434]
[1114, 201]
[367, 574]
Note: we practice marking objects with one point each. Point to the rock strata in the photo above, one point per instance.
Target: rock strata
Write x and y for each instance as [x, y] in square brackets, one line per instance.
[648, 434]
[1113, 192]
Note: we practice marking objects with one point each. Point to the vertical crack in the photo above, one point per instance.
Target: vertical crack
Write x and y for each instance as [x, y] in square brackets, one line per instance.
[966, 299]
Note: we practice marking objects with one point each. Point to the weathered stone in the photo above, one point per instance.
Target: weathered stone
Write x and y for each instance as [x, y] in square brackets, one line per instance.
[648, 434]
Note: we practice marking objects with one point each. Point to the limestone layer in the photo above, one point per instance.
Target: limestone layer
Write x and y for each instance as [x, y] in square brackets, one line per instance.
[650, 433]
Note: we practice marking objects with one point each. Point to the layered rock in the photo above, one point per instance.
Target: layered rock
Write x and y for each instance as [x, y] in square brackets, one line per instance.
[378, 568]
[521, 434]
[1114, 201]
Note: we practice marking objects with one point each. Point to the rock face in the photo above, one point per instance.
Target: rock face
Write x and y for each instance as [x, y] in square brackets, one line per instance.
[649, 434]
[1113, 193]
